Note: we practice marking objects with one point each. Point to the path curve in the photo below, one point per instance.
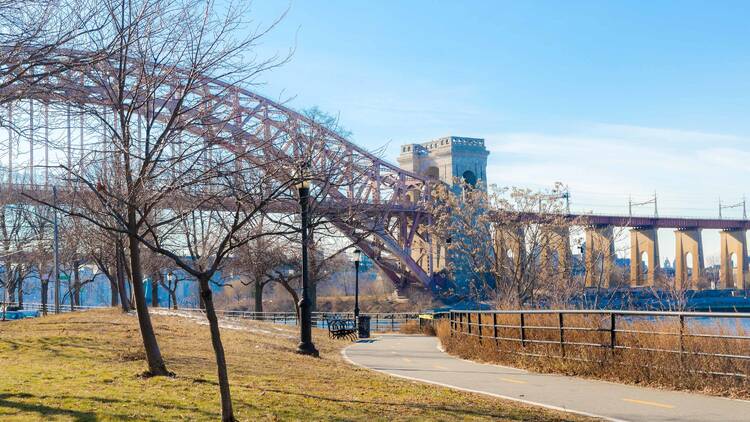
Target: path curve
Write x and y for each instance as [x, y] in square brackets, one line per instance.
[419, 358]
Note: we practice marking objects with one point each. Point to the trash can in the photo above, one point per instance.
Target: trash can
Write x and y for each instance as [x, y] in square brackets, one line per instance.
[363, 326]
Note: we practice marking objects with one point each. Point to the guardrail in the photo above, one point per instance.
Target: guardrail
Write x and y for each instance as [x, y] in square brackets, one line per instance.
[379, 322]
[703, 342]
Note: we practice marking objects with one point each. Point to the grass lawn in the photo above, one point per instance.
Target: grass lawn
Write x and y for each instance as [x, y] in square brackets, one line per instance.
[85, 367]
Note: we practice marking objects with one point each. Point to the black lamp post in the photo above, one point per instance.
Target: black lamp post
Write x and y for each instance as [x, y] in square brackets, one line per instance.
[306, 346]
[357, 253]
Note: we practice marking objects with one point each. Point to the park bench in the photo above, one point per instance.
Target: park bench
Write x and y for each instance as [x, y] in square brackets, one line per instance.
[342, 328]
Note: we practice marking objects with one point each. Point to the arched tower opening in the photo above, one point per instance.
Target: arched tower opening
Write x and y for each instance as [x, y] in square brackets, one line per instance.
[469, 178]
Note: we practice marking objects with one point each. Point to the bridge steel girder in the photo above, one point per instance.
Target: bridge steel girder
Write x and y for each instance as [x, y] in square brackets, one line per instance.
[644, 240]
[281, 135]
[688, 241]
[733, 243]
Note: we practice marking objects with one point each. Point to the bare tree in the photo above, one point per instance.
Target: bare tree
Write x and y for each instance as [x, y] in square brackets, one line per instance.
[17, 244]
[36, 42]
[150, 97]
[506, 254]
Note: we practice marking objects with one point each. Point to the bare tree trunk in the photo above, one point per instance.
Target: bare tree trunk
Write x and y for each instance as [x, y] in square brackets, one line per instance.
[20, 294]
[156, 366]
[155, 291]
[173, 295]
[227, 414]
[75, 298]
[258, 296]
[120, 275]
[114, 298]
[45, 294]
[295, 296]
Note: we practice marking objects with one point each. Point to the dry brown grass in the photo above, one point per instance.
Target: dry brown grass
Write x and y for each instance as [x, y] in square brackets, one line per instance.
[414, 327]
[596, 359]
[85, 366]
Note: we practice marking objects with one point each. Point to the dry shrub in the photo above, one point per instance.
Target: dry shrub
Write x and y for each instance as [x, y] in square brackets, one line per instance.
[645, 352]
[414, 327]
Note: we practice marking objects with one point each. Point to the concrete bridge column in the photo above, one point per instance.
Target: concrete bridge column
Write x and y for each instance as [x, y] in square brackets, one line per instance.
[600, 256]
[733, 245]
[643, 241]
[688, 249]
[555, 254]
[511, 249]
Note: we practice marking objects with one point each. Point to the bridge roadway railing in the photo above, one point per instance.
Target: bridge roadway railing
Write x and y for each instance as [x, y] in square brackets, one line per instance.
[379, 321]
[708, 343]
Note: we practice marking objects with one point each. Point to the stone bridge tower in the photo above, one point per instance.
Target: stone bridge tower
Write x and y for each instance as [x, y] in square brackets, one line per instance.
[447, 159]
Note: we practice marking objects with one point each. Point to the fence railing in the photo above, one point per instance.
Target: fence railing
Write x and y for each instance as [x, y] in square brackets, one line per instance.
[379, 322]
[703, 342]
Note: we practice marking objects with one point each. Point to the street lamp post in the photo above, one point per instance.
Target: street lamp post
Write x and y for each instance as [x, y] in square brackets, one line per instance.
[357, 253]
[306, 346]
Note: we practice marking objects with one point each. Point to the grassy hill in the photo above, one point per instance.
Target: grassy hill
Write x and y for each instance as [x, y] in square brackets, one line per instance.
[86, 366]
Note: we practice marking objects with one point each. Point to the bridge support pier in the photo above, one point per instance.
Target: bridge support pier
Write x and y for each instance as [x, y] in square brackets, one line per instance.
[643, 241]
[555, 254]
[733, 245]
[688, 249]
[510, 245]
[600, 256]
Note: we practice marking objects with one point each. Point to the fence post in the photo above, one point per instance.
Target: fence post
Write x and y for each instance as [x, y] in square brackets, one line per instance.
[562, 333]
[479, 322]
[494, 328]
[682, 339]
[460, 323]
[393, 323]
[612, 332]
[451, 322]
[523, 332]
[468, 321]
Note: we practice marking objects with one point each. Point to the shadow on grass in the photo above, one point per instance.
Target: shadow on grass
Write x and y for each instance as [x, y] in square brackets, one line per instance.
[7, 402]
[77, 416]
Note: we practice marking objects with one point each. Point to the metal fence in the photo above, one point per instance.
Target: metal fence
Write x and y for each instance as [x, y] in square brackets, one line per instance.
[702, 342]
[379, 322]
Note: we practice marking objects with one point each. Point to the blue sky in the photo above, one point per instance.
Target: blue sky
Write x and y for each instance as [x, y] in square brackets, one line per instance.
[613, 98]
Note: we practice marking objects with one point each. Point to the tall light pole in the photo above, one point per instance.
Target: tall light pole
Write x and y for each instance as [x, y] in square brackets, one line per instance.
[357, 253]
[306, 346]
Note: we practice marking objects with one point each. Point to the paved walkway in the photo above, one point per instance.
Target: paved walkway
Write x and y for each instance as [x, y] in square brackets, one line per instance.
[418, 358]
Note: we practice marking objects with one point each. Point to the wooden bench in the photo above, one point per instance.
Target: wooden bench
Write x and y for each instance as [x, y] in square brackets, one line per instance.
[342, 328]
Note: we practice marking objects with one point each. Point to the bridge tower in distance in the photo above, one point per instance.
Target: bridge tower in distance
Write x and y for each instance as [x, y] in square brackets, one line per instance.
[446, 159]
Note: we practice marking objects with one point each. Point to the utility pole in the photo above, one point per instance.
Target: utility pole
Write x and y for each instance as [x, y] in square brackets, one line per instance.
[630, 206]
[55, 239]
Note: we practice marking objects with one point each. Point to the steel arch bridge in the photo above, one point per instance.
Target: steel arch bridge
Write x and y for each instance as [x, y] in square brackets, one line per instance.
[394, 198]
